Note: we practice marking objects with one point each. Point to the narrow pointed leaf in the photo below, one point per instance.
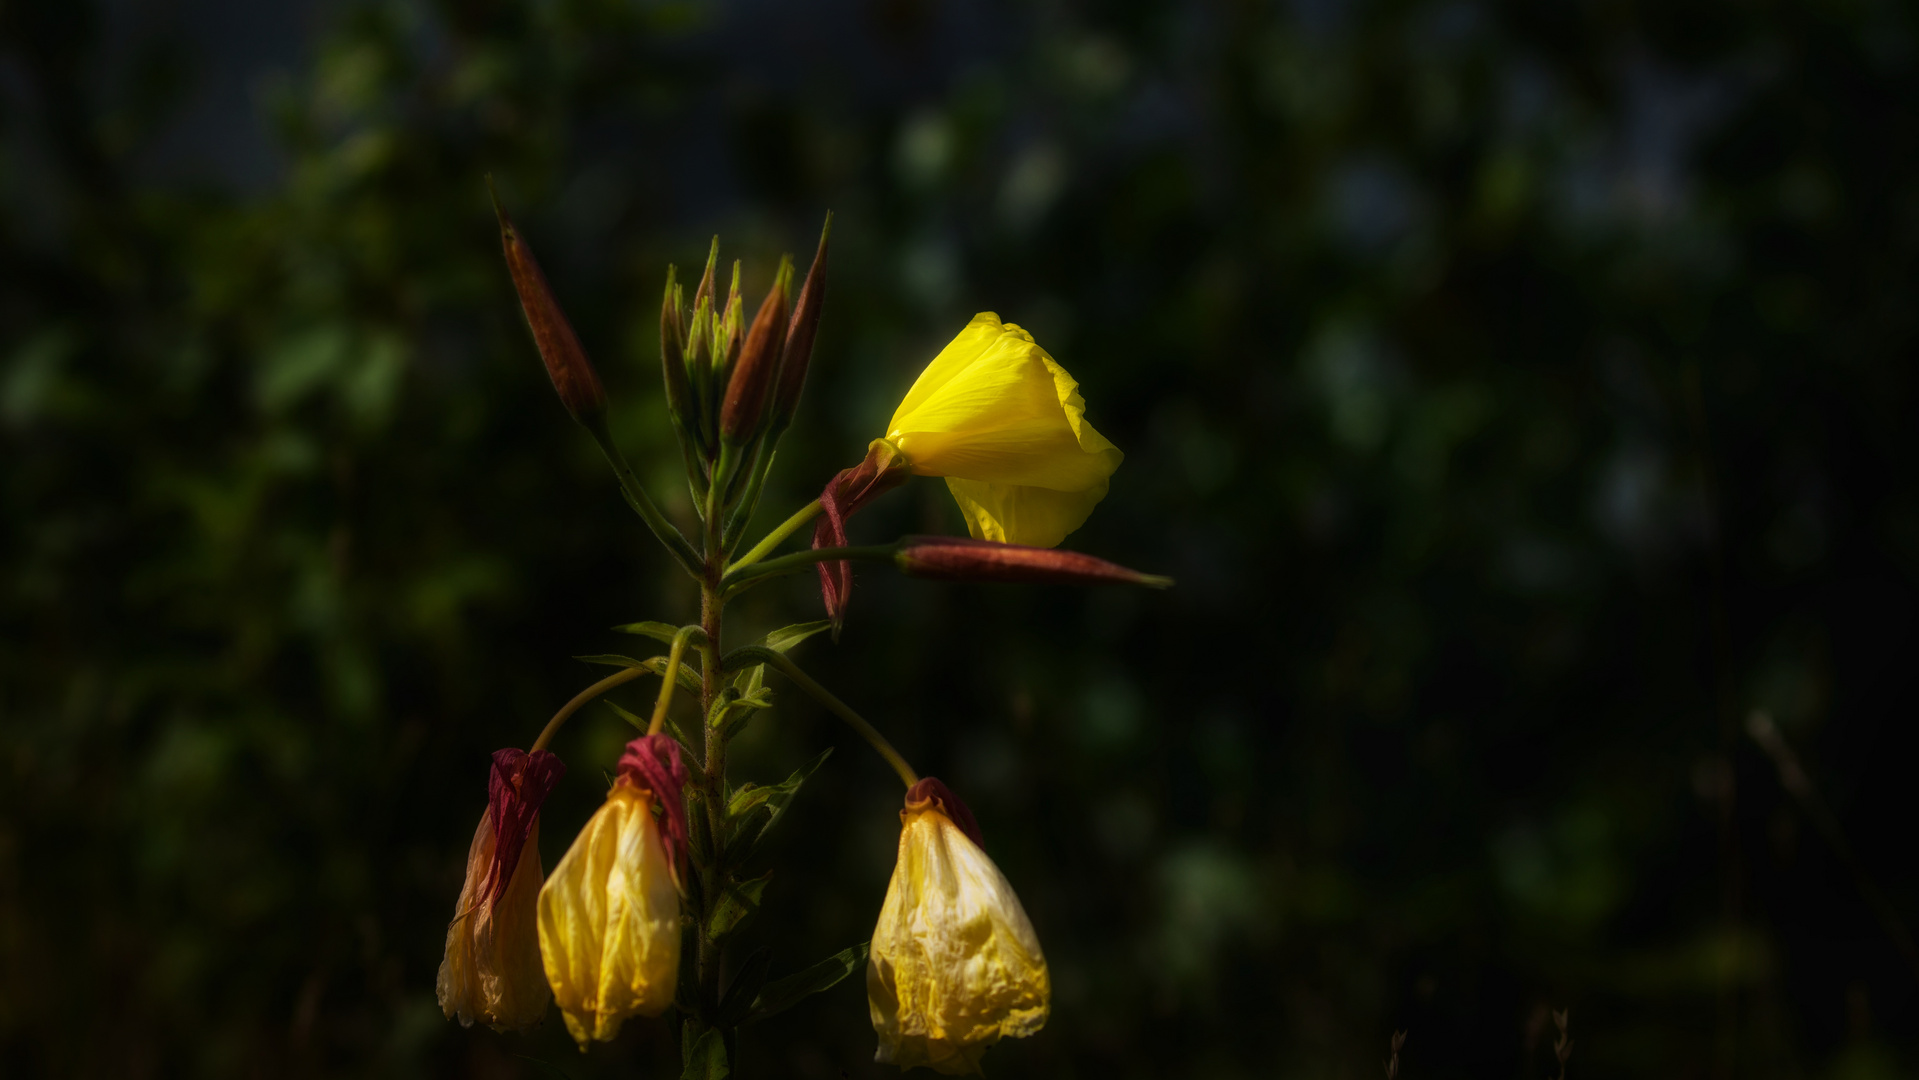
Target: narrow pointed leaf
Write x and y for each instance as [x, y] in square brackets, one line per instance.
[689, 673]
[745, 988]
[755, 809]
[706, 1057]
[740, 900]
[658, 631]
[782, 994]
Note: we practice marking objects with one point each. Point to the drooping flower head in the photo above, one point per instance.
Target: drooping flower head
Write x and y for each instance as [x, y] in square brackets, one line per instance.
[955, 965]
[1004, 423]
[491, 971]
[609, 917]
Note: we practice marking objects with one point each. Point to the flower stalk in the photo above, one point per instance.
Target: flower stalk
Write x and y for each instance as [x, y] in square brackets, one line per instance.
[636, 918]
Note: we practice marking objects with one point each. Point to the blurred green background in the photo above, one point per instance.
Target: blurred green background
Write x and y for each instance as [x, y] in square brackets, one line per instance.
[1521, 393]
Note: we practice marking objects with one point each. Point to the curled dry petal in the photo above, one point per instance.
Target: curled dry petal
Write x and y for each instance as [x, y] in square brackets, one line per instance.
[882, 470]
[955, 965]
[653, 763]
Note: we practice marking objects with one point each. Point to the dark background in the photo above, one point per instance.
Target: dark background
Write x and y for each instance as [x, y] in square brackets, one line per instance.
[1522, 393]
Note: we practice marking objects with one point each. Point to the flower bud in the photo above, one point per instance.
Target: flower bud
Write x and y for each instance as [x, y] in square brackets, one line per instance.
[566, 364]
[491, 971]
[609, 917]
[882, 470]
[799, 335]
[758, 363]
[954, 965]
[955, 558]
[673, 349]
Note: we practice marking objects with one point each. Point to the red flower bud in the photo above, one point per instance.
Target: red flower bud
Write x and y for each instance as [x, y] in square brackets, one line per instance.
[799, 335]
[566, 363]
[958, 558]
[758, 364]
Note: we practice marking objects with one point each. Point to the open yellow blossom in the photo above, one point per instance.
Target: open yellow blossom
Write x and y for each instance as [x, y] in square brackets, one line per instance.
[954, 965]
[1005, 425]
[610, 919]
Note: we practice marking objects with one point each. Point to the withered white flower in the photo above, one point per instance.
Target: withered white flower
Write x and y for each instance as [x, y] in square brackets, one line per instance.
[955, 965]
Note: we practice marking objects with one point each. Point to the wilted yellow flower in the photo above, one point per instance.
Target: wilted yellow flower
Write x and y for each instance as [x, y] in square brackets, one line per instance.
[610, 914]
[954, 965]
[1005, 425]
[491, 972]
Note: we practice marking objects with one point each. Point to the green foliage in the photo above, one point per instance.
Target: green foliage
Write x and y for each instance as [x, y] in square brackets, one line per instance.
[754, 809]
[784, 993]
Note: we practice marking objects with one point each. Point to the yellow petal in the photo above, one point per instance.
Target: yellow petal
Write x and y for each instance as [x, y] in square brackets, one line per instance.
[994, 407]
[955, 965]
[610, 920]
[492, 970]
[1023, 515]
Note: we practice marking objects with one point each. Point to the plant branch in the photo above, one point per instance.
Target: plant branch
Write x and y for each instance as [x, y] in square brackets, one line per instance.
[552, 727]
[760, 654]
[665, 531]
[798, 561]
[778, 535]
[670, 678]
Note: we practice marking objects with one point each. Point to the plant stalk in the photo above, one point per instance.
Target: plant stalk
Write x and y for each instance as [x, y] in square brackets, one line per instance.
[778, 535]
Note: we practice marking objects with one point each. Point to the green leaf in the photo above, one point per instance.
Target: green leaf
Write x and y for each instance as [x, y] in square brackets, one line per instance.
[782, 994]
[624, 715]
[745, 988]
[689, 674]
[705, 1056]
[783, 639]
[754, 809]
[658, 631]
[741, 899]
[749, 680]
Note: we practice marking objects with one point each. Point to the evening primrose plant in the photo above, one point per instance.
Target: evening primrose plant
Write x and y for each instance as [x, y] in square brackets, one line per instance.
[636, 917]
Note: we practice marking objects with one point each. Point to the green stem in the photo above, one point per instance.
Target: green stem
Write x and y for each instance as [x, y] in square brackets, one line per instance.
[713, 749]
[760, 654]
[625, 675]
[777, 536]
[798, 561]
[670, 679]
[642, 503]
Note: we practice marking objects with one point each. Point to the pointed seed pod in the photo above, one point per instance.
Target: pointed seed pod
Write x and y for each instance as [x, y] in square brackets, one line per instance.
[799, 335]
[566, 364]
[958, 558]
[758, 364]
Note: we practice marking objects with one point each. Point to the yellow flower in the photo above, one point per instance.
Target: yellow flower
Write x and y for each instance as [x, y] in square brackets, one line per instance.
[954, 965]
[491, 972]
[610, 914]
[1006, 426]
